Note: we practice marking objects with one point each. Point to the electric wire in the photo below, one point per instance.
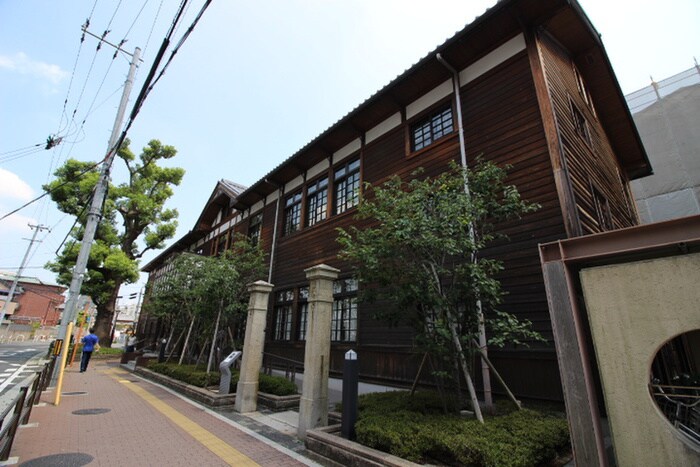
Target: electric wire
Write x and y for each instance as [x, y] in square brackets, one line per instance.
[146, 88]
[48, 192]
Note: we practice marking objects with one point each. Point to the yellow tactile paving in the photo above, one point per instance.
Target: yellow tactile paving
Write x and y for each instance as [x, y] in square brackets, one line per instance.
[215, 444]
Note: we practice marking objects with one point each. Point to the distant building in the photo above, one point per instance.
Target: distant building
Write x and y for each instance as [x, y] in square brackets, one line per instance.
[666, 114]
[33, 300]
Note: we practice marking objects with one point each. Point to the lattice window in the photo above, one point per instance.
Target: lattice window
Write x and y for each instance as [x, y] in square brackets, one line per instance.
[347, 186]
[316, 202]
[428, 130]
[344, 319]
[292, 214]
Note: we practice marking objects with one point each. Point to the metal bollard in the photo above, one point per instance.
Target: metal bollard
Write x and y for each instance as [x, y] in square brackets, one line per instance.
[161, 352]
[350, 383]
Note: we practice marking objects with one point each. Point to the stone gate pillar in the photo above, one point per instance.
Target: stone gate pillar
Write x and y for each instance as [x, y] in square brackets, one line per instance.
[251, 363]
[313, 407]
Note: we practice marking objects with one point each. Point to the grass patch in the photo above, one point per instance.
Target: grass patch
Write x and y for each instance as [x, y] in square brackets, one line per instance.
[198, 376]
[415, 428]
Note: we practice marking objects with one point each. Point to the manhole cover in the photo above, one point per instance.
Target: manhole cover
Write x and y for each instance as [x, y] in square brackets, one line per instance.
[68, 459]
[90, 411]
[74, 393]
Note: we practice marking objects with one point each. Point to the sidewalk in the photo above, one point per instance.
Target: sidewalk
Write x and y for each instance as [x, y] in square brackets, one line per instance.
[108, 416]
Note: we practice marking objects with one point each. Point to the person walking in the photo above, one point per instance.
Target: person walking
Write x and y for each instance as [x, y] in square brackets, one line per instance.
[89, 345]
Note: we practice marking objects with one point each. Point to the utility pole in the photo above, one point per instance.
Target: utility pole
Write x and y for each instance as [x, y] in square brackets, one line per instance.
[11, 293]
[95, 212]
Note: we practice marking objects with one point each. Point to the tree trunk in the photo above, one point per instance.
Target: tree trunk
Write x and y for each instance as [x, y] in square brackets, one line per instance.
[465, 368]
[105, 318]
[187, 341]
[213, 339]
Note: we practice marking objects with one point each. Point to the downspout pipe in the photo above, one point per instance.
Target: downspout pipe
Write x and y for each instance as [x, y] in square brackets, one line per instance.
[274, 233]
[485, 375]
[460, 127]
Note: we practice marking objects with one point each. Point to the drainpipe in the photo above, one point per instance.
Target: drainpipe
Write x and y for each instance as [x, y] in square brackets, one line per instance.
[485, 375]
[274, 234]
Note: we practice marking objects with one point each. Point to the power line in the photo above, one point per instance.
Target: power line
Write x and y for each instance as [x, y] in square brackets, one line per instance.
[148, 85]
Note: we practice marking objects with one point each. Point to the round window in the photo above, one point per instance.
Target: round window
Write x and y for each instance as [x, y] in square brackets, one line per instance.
[675, 383]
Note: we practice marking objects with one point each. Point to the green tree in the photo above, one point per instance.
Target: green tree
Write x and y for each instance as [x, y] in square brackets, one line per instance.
[419, 256]
[134, 220]
[207, 293]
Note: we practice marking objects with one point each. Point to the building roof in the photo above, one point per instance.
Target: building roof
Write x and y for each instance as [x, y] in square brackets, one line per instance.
[563, 19]
[10, 276]
[225, 191]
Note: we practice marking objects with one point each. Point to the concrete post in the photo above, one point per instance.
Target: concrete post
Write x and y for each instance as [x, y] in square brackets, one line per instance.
[313, 407]
[247, 389]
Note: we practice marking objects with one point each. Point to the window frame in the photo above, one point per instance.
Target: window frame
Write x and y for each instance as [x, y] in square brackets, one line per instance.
[344, 317]
[255, 227]
[580, 123]
[350, 170]
[302, 308]
[315, 192]
[429, 118]
[283, 314]
[293, 205]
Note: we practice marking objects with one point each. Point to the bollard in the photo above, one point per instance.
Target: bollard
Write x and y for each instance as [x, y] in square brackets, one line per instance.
[350, 382]
[161, 352]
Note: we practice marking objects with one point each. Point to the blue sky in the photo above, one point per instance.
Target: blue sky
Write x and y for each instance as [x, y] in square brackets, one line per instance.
[255, 82]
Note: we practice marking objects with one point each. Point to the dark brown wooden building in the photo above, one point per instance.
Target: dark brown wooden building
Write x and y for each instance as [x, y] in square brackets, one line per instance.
[537, 92]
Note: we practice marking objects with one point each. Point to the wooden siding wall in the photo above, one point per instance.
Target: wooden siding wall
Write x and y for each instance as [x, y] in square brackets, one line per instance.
[590, 163]
[502, 124]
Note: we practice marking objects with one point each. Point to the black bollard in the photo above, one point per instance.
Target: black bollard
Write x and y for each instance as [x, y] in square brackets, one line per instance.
[350, 382]
[161, 352]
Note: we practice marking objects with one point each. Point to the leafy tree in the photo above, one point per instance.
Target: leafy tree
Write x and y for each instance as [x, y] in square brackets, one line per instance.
[134, 221]
[210, 293]
[418, 255]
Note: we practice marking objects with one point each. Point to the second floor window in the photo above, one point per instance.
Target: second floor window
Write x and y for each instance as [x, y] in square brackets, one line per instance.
[254, 228]
[316, 202]
[580, 123]
[347, 186]
[292, 214]
[426, 131]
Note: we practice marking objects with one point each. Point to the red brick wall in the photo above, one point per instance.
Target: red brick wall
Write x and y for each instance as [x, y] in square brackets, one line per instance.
[39, 303]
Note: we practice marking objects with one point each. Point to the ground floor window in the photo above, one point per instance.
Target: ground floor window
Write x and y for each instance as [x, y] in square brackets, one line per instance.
[303, 313]
[283, 315]
[344, 319]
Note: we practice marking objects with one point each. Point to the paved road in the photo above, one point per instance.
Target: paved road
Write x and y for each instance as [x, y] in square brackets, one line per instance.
[17, 362]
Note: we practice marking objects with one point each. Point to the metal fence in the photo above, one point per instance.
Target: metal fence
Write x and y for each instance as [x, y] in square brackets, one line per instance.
[20, 409]
[681, 405]
[643, 98]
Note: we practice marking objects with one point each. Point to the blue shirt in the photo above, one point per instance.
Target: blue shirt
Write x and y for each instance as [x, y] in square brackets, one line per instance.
[89, 342]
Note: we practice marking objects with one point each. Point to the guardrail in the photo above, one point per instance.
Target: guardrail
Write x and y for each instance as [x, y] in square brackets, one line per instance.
[20, 409]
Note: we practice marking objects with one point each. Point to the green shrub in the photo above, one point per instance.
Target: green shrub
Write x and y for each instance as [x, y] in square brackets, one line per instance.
[197, 376]
[276, 385]
[417, 430]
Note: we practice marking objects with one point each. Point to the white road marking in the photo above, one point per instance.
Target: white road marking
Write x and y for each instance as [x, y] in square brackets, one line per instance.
[12, 377]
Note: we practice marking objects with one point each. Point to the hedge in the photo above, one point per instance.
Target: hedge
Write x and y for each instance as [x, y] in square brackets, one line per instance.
[197, 376]
[415, 429]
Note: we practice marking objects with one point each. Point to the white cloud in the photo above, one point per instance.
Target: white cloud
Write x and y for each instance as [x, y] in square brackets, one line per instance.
[15, 223]
[13, 187]
[21, 63]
